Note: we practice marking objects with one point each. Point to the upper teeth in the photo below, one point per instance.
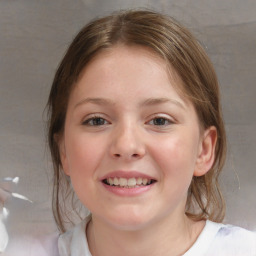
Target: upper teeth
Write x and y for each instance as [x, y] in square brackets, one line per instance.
[131, 182]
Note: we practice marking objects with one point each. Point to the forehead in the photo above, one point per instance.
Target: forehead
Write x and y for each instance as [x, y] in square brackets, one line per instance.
[130, 59]
[128, 78]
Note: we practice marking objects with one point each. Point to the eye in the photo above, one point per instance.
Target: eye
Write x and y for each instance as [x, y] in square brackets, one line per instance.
[95, 121]
[160, 121]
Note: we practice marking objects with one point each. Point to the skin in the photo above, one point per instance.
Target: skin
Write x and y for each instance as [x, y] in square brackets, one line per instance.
[125, 114]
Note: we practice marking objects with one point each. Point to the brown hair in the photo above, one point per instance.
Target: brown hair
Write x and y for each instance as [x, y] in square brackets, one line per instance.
[181, 50]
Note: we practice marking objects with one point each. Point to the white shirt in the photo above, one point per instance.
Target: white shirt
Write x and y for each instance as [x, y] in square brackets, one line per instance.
[215, 240]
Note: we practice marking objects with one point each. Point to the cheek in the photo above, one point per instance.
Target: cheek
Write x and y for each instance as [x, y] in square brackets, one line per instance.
[176, 156]
[83, 155]
[175, 160]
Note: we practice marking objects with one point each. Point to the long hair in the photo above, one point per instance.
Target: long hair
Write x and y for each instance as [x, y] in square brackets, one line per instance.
[178, 47]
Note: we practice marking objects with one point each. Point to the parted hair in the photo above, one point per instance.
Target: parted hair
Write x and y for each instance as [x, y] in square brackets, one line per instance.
[182, 52]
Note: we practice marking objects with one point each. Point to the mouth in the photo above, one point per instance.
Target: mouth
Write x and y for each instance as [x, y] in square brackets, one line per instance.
[128, 183]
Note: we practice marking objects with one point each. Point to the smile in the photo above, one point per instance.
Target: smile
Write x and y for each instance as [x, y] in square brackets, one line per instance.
[128, 183]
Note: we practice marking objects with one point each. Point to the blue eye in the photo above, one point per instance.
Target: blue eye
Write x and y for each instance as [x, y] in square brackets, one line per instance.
[95, 121]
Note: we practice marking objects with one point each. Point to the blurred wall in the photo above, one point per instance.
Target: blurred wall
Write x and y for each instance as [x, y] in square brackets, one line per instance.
[34, 36]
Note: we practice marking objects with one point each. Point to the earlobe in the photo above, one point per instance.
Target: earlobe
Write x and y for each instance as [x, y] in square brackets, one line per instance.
[206, 154]
[62, 151]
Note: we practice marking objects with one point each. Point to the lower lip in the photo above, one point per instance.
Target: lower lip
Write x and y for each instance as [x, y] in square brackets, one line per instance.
[128, 191]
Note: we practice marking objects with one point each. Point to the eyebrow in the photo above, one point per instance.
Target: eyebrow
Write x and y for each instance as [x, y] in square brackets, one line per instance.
[147, 102]
[96, 101]
[157, 101]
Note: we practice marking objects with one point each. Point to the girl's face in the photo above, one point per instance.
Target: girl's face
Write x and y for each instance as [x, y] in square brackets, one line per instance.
[131, 144]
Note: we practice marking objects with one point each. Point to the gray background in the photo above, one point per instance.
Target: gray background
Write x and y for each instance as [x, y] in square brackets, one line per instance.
[33, 37]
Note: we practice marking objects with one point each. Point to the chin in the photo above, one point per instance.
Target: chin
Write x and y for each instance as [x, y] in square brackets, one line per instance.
[129, 221]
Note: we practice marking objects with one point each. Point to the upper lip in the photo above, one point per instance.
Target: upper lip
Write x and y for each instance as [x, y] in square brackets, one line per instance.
[126, 174]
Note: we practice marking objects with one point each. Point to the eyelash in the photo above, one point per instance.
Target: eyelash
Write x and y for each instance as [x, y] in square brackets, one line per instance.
[162, 119]
[94, 121]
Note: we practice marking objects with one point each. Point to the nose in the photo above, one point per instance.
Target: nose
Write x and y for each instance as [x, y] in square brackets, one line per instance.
[127, 144]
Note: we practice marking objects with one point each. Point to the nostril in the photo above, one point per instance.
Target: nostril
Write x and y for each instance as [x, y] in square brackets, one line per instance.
[133, 155]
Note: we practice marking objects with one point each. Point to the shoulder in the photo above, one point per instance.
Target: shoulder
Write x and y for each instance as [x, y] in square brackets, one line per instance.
[49, 243]
[45, 245]
[74, 241]
[239, 240]
[231, 240]
[218, 239]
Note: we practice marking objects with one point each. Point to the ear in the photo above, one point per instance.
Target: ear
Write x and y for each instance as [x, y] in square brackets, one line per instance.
[62, 151]
[206, 153]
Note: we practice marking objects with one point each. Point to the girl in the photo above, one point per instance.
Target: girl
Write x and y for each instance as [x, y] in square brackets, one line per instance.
[135, 126]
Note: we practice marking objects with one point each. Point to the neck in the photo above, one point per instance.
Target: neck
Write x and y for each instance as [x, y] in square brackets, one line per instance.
[166, 237]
